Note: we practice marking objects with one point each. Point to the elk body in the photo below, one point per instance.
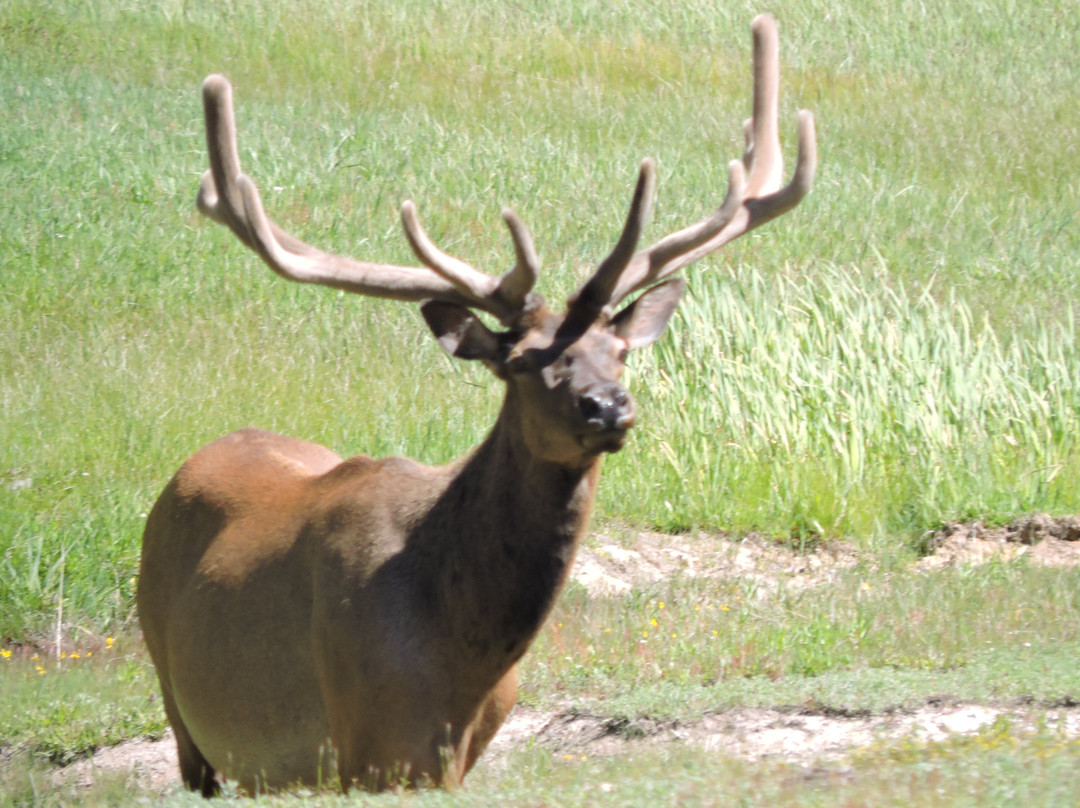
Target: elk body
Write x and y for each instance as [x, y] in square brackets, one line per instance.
[311, 616]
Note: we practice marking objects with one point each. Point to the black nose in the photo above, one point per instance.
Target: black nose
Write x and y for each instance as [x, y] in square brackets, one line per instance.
[608, 406]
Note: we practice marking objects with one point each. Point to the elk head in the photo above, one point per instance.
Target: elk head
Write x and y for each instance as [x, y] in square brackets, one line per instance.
[564, 369]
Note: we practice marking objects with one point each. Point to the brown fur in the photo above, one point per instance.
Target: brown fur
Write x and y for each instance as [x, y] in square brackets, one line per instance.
[302, 610]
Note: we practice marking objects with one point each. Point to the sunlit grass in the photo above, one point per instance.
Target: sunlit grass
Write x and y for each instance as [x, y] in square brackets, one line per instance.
[844, 403]
[61, 704]
[692, 645]
[898, 351]
[865, 366]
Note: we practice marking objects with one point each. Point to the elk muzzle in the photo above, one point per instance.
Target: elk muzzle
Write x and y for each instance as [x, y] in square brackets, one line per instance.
[608, 411]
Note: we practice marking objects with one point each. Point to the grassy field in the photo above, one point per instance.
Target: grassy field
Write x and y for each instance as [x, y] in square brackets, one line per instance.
[896, 353]
[870, 643]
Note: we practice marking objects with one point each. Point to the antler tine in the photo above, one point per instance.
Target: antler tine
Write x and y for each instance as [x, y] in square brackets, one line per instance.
[682, 243]
[219, 196]
[596, 293]
[766, 208]
[754, 194]
[517, 284]
[764, 159]
[504, 297]
[472, 282]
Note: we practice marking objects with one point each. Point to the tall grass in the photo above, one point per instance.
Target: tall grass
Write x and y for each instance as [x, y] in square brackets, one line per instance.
[842, 403]
[897, 351]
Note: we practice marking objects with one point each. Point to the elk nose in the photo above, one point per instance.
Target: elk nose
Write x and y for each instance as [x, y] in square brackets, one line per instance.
[608, 407]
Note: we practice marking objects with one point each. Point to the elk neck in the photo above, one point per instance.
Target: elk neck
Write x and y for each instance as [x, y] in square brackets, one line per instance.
[498, 544]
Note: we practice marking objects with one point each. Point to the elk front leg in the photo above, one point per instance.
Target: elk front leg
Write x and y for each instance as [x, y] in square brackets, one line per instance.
[492, 714]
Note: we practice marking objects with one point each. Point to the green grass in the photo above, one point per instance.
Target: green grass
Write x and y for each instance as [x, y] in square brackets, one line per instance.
[870, 639]
[897, 352]
[58, 710]
[844, 404]
[1039, 770]
[1000, 765]
[864, 367]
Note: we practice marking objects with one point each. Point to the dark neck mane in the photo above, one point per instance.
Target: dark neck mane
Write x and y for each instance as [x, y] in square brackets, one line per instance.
[497, 546]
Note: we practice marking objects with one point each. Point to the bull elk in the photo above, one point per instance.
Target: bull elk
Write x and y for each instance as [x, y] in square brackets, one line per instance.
[309, 615]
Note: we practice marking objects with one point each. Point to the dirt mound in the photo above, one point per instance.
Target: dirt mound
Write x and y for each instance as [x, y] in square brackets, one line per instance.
[1041, 539]
[795, 735]
[149, 765]
[608, 568]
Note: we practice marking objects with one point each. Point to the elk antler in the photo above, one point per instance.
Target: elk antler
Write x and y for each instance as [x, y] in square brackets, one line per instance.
[754, 197]
[228, 196]
[754, 194]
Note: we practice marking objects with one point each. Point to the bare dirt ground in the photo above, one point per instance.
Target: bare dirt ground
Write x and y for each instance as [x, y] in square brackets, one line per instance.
[606, 567]
[610, 568]
[796, 736]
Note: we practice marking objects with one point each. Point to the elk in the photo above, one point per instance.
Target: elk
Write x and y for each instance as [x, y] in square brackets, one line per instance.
[311, 616]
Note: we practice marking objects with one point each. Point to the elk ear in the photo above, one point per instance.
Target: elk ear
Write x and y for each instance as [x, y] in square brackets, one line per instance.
[459, 331]
[645, 319]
